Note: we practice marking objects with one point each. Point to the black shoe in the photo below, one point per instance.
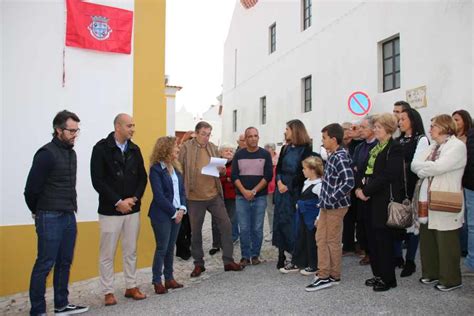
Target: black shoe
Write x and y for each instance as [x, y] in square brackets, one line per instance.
[408, 269]
[185, 256]
[398, 262]
[213, 251]
[281, 261]
[371, 282]
[381, 286]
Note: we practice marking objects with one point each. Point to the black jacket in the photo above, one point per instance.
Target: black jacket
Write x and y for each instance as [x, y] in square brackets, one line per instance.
[51, 184]
[116, 176]
[388, 169]
[468, 178]
[297, 183]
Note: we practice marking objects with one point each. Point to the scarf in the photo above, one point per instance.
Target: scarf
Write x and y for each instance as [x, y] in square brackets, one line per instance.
[374, 152]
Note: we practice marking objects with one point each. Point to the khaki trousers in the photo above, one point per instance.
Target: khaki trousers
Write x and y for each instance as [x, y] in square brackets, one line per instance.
[111, 229]
[328, 240]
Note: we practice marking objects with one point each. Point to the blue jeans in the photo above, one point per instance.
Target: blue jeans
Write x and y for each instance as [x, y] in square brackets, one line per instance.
[56, 240]
[469, 200]
[412, 241]
[166, 233]
[251, 215]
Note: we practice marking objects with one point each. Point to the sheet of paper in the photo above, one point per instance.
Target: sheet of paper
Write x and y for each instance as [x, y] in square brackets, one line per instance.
[211, 168]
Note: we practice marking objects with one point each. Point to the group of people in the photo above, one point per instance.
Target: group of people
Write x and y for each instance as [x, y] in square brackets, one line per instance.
[319, 206]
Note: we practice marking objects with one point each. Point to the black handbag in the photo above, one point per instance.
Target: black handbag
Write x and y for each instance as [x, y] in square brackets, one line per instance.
[400, 215]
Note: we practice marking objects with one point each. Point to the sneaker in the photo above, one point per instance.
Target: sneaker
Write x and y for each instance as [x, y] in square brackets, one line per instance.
[71, 309]
[308, 271]
[428, 281]
[335, 280]
[444, 288]
[290, 267]
[318, 284]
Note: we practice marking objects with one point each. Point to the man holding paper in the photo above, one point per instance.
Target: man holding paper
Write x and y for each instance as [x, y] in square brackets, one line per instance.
[252, 169]
[204, 192]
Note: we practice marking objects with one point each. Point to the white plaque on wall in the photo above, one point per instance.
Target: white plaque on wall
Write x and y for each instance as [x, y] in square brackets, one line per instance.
[417, 97]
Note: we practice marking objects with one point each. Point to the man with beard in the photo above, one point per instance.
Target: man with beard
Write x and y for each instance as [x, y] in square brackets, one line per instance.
[50, 194]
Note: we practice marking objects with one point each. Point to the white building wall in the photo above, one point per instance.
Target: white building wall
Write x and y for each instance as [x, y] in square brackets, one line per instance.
[98, 86]
[341, 52]
[212, 117]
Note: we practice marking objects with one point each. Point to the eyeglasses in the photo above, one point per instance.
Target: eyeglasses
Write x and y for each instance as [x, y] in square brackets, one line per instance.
[72, 130]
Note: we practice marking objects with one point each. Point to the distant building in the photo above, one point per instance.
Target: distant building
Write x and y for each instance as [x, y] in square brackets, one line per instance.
[170, 92]
[186, 121]
[303, 59]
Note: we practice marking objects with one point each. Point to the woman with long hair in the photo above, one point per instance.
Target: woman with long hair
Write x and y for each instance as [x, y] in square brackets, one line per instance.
[166, 210]
[463, 123]
[289, 182]
[413, 141]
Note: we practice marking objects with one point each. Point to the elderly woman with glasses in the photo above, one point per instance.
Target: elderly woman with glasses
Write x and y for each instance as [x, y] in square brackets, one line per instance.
[226, 151]
[382, 182]
[441, 168]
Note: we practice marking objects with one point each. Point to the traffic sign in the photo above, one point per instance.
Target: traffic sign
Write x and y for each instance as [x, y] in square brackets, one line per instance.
[359, 103]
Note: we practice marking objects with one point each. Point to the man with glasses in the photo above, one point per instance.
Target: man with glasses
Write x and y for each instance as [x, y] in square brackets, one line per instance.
[359, 160]
[118, 175]
[204, 192]
[50, 194]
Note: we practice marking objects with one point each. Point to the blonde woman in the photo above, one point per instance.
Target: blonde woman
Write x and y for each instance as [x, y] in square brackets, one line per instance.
[166, 210]
[381, 183]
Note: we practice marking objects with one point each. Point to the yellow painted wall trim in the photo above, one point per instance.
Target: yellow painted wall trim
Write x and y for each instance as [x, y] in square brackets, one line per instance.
[18, 244]
[149, 101]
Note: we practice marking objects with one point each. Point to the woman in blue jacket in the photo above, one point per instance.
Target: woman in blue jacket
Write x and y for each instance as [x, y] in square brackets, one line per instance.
[166, 210]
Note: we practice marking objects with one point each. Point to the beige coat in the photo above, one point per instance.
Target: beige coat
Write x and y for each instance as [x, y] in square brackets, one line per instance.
[447, 172]
[187, 157]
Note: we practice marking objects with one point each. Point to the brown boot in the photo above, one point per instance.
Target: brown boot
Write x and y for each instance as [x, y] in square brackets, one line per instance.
[159, 288]
[135, 294]
[197, 271]
[110, 299]
[232, 266]
[172, 284]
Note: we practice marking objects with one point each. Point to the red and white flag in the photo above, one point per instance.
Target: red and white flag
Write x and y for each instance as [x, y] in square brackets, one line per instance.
[98, 27]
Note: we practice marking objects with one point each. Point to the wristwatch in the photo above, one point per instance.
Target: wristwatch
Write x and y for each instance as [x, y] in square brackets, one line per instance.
[254, 192]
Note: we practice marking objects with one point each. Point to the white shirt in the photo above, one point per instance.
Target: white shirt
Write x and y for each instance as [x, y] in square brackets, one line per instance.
[316, 189]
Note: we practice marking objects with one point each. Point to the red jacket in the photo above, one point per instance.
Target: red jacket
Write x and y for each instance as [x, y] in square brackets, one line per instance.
[227, 185]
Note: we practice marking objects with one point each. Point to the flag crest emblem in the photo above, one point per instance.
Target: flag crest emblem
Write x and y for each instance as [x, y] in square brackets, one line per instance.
[99, 28]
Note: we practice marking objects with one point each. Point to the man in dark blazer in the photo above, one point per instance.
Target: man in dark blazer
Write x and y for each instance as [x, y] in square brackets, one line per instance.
[118, 175]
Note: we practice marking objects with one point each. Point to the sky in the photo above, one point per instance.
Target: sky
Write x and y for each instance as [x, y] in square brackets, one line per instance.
[195, 36]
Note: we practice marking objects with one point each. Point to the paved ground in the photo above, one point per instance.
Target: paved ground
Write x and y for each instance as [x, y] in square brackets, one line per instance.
[263, 290]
